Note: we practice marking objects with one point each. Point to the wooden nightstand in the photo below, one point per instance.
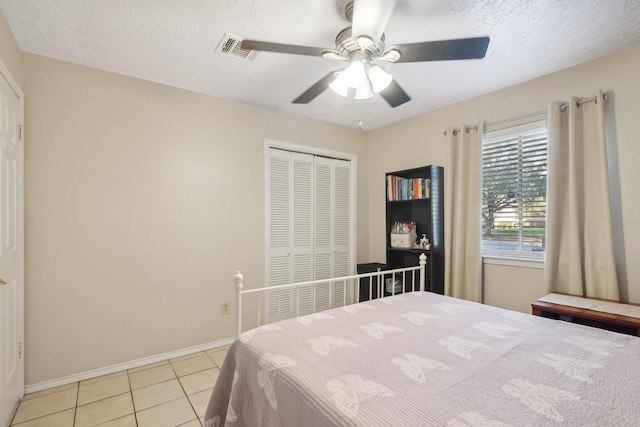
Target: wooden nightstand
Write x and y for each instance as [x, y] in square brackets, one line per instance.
[603, 314]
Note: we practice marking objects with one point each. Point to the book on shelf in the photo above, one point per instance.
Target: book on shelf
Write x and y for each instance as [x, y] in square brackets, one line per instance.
[399, 188]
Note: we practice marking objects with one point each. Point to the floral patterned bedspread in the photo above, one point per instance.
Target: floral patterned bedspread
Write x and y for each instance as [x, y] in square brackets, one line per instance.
[422, 359]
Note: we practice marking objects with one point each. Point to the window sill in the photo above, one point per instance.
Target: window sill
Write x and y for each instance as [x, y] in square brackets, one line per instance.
[514, 262]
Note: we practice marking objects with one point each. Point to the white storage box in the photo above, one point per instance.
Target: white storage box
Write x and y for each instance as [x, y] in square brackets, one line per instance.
[403, 240]
[393, 288]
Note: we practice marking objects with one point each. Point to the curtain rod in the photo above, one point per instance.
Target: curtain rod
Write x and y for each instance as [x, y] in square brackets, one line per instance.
[513, 119]
[563, 108]
[581, 101]
[467, 129]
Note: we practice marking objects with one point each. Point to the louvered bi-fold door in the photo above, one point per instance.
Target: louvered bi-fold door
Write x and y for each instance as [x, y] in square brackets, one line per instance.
[332, 231]
[309, 218]
[290, 232]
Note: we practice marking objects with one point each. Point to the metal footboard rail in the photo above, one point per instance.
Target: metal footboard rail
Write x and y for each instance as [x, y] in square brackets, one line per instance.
[346, 280]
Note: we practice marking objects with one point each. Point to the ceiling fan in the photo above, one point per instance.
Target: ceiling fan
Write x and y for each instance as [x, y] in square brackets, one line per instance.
[362, 44]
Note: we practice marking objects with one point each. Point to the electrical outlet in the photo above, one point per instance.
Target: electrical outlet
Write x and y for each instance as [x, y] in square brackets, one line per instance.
[226, 307]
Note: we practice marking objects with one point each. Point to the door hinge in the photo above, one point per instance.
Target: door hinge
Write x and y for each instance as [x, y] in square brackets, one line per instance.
[19, 132]
[20, 349]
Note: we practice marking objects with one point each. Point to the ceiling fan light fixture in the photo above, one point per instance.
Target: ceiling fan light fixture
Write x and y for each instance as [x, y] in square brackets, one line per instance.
[379, 78]
[355, 74]
[367, 79]
[364, 91]
[340, 85]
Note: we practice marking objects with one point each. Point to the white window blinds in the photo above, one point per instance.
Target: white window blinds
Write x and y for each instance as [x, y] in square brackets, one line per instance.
[514, 188]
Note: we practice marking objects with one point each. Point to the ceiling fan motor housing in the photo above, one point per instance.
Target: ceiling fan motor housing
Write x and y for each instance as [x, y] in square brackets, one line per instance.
[346, 45]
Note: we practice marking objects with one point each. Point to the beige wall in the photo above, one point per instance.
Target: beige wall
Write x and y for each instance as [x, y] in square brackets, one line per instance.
[10, 54]
[141, 202]
[420, 141]
[513, 287]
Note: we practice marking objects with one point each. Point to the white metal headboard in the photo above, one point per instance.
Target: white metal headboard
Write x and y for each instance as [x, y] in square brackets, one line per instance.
[347, 281]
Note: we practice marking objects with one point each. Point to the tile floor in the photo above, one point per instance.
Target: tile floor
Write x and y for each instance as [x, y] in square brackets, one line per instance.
[171, 393]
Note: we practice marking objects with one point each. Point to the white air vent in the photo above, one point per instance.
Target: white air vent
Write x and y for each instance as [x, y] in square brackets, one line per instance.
[230, 45]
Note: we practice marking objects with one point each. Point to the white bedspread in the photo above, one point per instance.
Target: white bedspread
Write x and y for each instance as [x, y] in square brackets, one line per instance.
[423, 359]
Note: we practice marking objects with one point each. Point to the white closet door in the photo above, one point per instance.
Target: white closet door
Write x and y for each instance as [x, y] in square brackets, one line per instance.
[323, 214]
[279, 265]
[290, 204]
[302, 222]
[309, 200]
[332, 251]
[341, 230]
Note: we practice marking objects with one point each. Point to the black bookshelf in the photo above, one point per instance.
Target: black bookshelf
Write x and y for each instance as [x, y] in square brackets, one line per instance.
[425, 208]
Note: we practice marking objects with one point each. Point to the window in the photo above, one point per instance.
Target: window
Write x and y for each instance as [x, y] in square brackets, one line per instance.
[514, 191]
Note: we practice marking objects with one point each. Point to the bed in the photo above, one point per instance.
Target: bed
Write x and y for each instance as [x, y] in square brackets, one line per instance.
[423, 359]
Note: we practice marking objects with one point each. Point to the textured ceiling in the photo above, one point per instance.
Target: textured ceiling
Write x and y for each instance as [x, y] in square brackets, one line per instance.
[174, 42]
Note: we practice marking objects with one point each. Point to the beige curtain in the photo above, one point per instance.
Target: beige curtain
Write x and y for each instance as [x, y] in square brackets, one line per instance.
[579, 252]
[463, 192]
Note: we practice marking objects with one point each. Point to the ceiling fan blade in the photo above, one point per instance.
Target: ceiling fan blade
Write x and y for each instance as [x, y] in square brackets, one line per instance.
[370, 18]
[395, 95]
[282, 48]
[316, 89]
[443, 50]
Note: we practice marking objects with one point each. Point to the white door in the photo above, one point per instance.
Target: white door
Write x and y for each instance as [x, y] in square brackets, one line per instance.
[302, 223]
[341, 229]
[278, 196]
[332, 248]
[309, 200]
[11, 247]
[290, 224]
[323, 223]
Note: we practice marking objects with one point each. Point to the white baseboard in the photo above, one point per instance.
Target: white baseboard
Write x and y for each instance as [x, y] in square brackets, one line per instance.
[31, 388]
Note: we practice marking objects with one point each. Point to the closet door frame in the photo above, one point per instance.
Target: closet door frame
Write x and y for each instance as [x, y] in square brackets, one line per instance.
[304, 149]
